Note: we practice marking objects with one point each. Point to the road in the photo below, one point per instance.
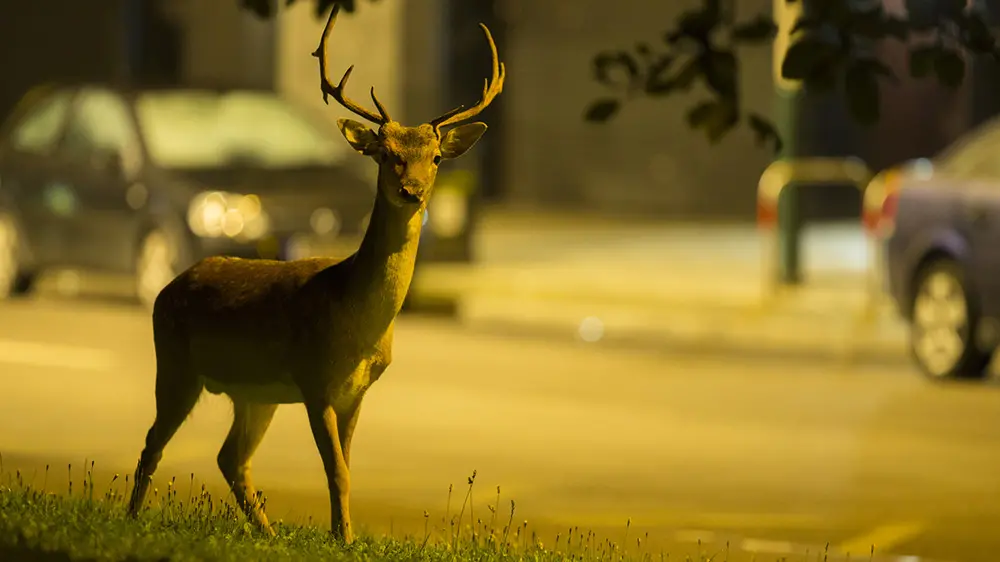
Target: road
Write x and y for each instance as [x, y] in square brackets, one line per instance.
[768, 455]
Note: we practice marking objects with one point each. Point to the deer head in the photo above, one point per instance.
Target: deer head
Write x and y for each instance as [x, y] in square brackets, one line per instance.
[408, 157]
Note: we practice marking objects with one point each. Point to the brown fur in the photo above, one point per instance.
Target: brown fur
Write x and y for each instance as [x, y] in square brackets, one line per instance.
[316, 331]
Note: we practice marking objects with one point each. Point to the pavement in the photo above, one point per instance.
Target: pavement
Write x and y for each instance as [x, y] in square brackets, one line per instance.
[769, 456]
[675, 286]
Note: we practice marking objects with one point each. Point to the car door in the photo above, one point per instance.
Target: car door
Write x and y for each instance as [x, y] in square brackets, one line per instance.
[30, 172]
[974, 172]
[101, 148]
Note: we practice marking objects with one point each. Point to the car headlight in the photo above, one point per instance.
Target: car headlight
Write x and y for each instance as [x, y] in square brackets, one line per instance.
[215, 214]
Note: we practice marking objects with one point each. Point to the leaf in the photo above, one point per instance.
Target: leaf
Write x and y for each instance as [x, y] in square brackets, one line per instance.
[720, 72]
[875, 66]
[323, 7]
[698, 115]
[862, 93]
[658, 81]
[764, 132]
[261, 8]
[922, 60]
[698, 24]
[601, 110]
[951, 9]
[977, 33]
[724, 119]
[716, 118]
[897, 28]
[606, 63]
[757, 30]
[824, 78]
[921, 14]
[835, 12]
[805, 23]
[950, 68]
[804, 55]
[687, 75]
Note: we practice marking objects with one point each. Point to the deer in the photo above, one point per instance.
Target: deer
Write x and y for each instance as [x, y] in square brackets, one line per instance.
[314, 331]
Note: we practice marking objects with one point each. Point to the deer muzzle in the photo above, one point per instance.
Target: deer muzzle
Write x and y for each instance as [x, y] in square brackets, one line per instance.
[409, 194]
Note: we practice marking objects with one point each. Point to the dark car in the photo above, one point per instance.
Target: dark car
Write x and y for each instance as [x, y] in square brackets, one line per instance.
[146, 182]
[943, 254]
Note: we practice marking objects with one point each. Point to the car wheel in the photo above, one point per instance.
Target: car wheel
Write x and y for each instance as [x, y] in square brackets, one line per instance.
[155, 266]
[14, 281]
[944, 321]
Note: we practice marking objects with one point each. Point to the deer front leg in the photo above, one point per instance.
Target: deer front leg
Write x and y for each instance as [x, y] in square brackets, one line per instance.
[323, 422]
[250, 422]
[345, 428]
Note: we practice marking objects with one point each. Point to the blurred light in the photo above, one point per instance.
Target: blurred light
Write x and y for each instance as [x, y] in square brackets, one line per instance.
[136, 196]
[68, 283]
[591, 329]
[232, 223]
[450, 211]
[324, 221]
[921, 168]
[216, 213]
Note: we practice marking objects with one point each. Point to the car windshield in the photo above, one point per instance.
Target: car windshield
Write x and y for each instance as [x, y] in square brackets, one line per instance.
[197, 129]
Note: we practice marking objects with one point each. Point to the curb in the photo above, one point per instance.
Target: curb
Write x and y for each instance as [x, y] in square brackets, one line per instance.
[744, 332]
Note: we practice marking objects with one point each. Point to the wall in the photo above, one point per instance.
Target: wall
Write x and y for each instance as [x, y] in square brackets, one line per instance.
[58, 40]
[224, 45]
[647, 159]
[368, 39]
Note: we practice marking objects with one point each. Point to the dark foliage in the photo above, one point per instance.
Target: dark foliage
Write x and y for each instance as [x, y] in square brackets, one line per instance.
[830, 52]
[267, 8]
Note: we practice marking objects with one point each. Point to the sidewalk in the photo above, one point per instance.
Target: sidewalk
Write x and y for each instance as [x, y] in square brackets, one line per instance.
[669, 287]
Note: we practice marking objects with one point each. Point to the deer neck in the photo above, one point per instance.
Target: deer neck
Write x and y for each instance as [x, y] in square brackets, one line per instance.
[383, 265]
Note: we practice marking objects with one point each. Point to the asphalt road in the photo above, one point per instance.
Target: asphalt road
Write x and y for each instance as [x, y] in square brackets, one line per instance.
[770, 456]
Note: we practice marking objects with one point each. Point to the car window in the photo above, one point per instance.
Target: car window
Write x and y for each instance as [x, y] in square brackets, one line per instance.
[38, 128]
[101, 124]
[200, 129]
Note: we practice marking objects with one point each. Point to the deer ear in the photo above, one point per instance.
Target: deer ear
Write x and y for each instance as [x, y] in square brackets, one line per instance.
[459, 140]
[358, 136]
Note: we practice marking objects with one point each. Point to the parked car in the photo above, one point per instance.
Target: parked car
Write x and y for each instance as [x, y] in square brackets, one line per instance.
[943, 254]
[146, 182]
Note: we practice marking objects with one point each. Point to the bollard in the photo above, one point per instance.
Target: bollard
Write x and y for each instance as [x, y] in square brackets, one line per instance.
[880, 192]
[779, 175]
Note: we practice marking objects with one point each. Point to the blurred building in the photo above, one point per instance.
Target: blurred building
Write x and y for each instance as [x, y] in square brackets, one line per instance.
[425, 56]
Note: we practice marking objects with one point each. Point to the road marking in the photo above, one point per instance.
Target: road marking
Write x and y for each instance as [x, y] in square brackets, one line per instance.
[883, 538]
[37, 354]
[761, 546]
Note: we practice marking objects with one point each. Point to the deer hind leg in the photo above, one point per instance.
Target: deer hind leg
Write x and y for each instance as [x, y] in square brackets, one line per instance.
[250, 422]
[177, 391]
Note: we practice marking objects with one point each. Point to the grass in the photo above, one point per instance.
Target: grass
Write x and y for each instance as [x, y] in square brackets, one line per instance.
[89, 522]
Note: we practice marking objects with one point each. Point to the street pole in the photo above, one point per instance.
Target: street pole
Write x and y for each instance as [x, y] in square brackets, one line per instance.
[787, 94]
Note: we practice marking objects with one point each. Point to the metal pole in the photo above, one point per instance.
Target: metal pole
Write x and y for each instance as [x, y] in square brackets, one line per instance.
[786, 98]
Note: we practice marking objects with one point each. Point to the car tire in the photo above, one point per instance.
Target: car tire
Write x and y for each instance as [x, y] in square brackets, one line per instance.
[945, 315]
[155, 265]
[15, 281]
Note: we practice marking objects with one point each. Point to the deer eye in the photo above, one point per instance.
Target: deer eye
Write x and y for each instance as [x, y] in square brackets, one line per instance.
[437, 159]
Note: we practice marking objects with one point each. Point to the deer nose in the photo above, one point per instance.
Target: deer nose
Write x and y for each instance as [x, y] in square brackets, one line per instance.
[409, 194]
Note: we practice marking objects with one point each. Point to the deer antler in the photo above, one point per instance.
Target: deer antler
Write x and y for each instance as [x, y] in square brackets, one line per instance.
[491, 88]
[338, 91]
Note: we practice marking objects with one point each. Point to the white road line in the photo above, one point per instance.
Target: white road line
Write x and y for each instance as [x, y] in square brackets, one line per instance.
[883, 537]
[768, 547]
[38, 354]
